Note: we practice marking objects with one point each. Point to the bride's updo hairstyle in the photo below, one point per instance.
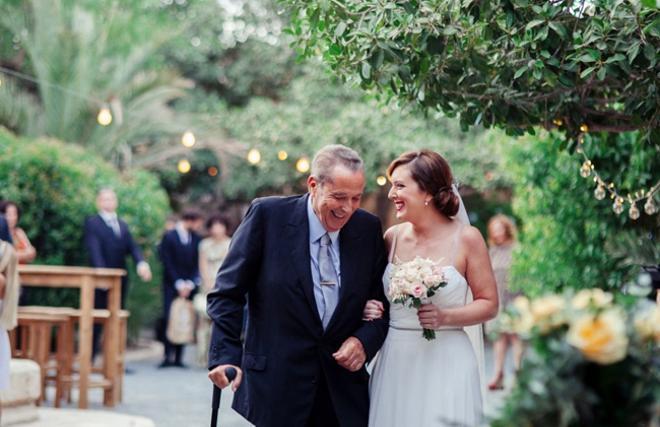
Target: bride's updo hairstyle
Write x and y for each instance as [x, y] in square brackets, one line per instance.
[433, 175]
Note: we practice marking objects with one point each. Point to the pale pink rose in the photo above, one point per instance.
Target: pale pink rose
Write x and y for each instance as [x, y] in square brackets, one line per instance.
[438, 270]
[435, 279]
[418, 290]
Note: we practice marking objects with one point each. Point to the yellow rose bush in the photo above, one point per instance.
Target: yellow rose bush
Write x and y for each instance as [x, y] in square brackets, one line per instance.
[594, 360]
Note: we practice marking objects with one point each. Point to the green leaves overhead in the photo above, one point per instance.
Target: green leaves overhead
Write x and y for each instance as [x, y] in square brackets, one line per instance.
[513, 64]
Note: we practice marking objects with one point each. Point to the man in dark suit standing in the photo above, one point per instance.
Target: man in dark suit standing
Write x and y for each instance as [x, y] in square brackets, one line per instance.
[308, 264]
[179, 252]
[108, 242]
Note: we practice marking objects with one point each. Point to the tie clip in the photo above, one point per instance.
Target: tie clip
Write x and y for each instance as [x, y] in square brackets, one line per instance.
[327, 283]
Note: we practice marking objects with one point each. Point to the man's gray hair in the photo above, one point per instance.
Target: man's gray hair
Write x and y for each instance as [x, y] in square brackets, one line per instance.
[330, 156]
[106, 189]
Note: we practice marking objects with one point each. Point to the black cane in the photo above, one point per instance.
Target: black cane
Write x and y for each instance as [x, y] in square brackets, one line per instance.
[230, 373]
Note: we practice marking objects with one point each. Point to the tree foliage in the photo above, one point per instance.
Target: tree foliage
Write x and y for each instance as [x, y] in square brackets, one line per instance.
[86, 55]
[570, 239]
[317, 111]
[513, 64]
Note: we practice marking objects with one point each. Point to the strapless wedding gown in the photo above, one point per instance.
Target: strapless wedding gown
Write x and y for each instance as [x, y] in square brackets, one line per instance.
[419, 383]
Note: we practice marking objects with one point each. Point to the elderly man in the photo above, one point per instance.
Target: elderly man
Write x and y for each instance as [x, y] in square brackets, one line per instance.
[307, 264]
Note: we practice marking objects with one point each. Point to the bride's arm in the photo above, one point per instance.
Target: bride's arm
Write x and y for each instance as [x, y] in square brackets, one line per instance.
[481, 280]
[375, 309]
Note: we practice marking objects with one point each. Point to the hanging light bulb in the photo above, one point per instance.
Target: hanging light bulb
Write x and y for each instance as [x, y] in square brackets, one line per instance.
[585, 170]
[381, 180]
[599, 192]
[282, 155]
[188, 139]
[558, 122]
[633, 213]
[183, 166]
[254, 156]
[617, 207]
[584, 127]
[104, 117]
[302, 165]
[649, 207]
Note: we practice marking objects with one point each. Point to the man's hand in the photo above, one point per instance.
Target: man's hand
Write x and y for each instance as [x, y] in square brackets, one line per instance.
[218, 377]
[144, 271]
[351, 354]
[184, 292]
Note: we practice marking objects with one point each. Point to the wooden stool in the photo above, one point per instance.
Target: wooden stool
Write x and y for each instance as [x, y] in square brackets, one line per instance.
[66, 377]
[36, 329]
[102, 316]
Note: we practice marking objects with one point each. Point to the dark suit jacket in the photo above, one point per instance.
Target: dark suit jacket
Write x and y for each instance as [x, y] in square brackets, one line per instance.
[4, 230]
[179, 262]
[286, 349]
[105, 249]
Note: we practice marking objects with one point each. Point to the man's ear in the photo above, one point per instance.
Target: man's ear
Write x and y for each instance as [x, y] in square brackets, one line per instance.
[312, 184]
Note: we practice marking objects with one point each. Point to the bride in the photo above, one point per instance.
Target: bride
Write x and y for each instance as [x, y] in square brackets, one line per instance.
[416, 382]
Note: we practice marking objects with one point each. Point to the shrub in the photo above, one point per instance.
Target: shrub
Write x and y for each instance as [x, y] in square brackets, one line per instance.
[55, 185]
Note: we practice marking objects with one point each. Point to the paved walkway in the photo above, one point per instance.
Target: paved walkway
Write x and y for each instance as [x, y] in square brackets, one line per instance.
[175, 397]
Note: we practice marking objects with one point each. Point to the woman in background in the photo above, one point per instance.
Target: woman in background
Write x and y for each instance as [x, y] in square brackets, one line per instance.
[212, 251]
[501, 240]
[24, 249]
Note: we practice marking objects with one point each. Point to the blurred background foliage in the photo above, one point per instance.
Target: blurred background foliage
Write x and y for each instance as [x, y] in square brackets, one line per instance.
[569, 239]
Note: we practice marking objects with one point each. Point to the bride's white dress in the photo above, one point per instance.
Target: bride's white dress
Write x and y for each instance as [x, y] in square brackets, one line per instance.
[416, 382]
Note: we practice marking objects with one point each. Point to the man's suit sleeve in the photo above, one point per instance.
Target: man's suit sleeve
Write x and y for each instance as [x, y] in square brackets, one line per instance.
[93, 245]
[372, 333]
[167, 256]
[239, 271]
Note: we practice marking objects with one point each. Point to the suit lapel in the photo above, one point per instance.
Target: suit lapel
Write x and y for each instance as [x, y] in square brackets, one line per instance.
[297, 237]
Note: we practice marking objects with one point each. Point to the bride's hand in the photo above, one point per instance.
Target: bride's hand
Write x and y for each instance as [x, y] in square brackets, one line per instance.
[430, 316]
[373, 310]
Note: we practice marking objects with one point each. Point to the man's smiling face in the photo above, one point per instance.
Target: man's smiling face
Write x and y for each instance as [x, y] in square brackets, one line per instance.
[336, 198]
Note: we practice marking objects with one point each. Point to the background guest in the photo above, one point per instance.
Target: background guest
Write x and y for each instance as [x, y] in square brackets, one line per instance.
[24, 249]
[212, 251]
[502, 239]
[108, 242]
[179, 252]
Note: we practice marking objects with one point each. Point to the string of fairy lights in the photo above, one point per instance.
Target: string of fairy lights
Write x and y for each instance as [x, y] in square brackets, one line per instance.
[302, 164]
[618, 197]
[104, 118]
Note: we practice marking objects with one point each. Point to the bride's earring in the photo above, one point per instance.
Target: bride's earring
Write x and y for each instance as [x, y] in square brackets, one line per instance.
[426, 203]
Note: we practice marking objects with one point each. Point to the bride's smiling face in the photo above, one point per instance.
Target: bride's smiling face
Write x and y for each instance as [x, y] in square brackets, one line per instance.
[409, 200]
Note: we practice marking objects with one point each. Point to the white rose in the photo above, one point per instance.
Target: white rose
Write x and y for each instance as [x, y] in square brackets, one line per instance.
[587, 297]
[547, 312]
[647, 324]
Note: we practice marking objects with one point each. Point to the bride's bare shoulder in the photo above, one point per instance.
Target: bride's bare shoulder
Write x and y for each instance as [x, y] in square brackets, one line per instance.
[472, 238]
[391, 234]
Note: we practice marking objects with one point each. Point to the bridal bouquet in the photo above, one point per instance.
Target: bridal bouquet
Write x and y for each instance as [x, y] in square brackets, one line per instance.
[414, 282]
